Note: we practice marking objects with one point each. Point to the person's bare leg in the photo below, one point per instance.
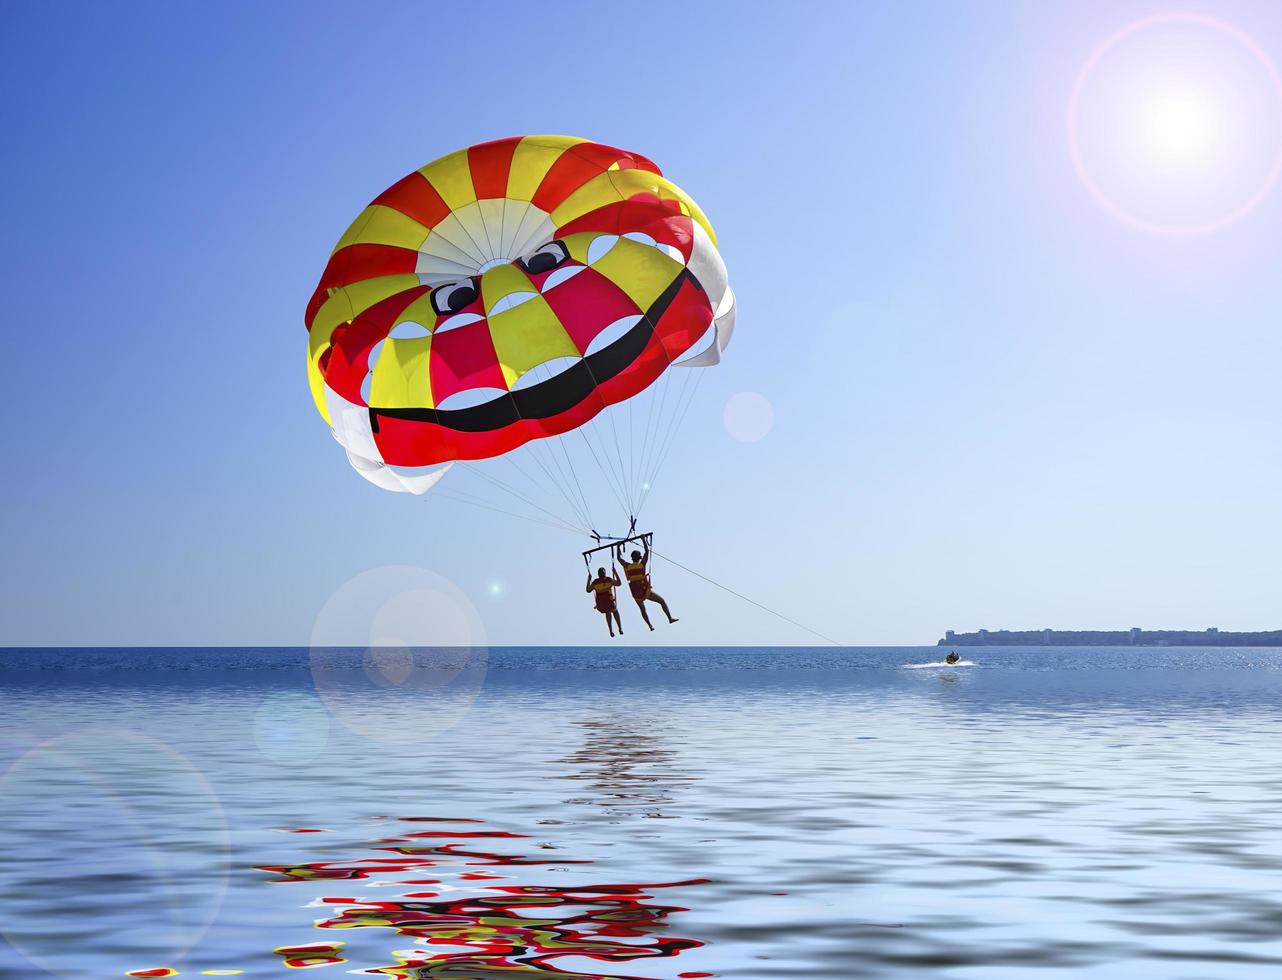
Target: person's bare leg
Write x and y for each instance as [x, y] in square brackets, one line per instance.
[618, 622]
[662, 605]
[644, 614]
[609, 624]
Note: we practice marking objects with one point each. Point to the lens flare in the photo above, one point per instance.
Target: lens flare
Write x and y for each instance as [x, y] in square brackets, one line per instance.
[1175, 124]
[749, 416]
[1179, 125]
[398, 654]
[291, 728]
[110, 823]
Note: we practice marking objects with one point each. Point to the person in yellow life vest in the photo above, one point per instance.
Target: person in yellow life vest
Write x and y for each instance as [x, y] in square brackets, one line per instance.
[604, 585]
[639, 582]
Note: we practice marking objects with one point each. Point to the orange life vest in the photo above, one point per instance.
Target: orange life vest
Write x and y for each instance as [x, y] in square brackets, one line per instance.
[604, 598]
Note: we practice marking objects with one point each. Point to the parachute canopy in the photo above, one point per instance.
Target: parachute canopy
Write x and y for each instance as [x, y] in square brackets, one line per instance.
[506, 293]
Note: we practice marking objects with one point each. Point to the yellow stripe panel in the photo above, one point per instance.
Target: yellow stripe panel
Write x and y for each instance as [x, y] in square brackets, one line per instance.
[641, 271]
[452, 177]
[501, 281]
[531, 162]
[381, 225]
[619, 185]
[355, 228]
[526, 336]
[688, 206]
[348, 302]
[600, 190]
[401, 377]
[317, 383]
[420, 312]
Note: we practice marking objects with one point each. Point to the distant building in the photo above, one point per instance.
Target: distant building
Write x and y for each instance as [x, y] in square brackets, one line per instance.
[1210, 637]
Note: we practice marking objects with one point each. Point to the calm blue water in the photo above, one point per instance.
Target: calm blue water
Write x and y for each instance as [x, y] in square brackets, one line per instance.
[608, 813]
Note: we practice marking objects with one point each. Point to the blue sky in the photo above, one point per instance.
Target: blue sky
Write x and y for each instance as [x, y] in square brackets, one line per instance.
[995, 405]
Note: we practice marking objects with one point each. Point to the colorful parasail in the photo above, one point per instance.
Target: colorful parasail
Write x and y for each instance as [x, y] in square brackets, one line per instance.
[509, 293]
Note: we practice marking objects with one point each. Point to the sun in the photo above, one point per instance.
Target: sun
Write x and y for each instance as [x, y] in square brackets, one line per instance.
[1175, 124]
[1179, 126]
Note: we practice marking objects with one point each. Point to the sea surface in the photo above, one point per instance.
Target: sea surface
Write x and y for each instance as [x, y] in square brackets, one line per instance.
[615, 813]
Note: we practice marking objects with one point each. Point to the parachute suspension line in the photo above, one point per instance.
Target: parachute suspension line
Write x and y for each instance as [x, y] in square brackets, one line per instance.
[693, 386]
[552, 481]
[575, 507]
[668, 425]
[569, 463]
[485, 505]
[537, 488]
[675, 429]
[647, 437]
[602, 458]
[654, 420]
[569, 472]
[508, 458]
[563, 489]
[600, 453]
[740, 595]
[544, 516]
[601, 466]
[632, 445]
[560, 441]
[618, 452]
[648, 471]
[645, 434]
[490, 478]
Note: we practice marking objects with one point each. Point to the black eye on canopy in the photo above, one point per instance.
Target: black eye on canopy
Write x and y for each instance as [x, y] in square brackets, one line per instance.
[454, 297]
[546, 258]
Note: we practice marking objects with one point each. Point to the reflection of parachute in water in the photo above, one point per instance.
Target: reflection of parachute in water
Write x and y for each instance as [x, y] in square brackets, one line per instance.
[469, 925]
[522, 302]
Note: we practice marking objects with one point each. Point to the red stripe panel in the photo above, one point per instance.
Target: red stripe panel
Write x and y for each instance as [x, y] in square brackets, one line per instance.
[638, 162]
[358, 262]
[464, 358]
[573, 168]
[414, 197]
[407, 443]
[687, 320]
[334, 269]
[349, 356]
[313, 305]
[490, 163]
[661, 220]
[588, 303]
[608, 156]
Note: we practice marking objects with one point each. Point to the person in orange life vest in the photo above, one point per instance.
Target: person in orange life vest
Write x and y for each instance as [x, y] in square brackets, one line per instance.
[639, 582]
[604, 585]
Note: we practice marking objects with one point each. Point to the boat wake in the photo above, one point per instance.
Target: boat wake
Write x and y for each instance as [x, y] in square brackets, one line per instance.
[939, 663]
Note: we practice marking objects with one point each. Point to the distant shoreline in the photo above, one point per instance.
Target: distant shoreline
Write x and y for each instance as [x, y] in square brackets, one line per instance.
[1135, 637]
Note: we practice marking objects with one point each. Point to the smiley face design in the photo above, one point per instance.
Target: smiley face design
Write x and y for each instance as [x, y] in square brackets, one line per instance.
[508, 292]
